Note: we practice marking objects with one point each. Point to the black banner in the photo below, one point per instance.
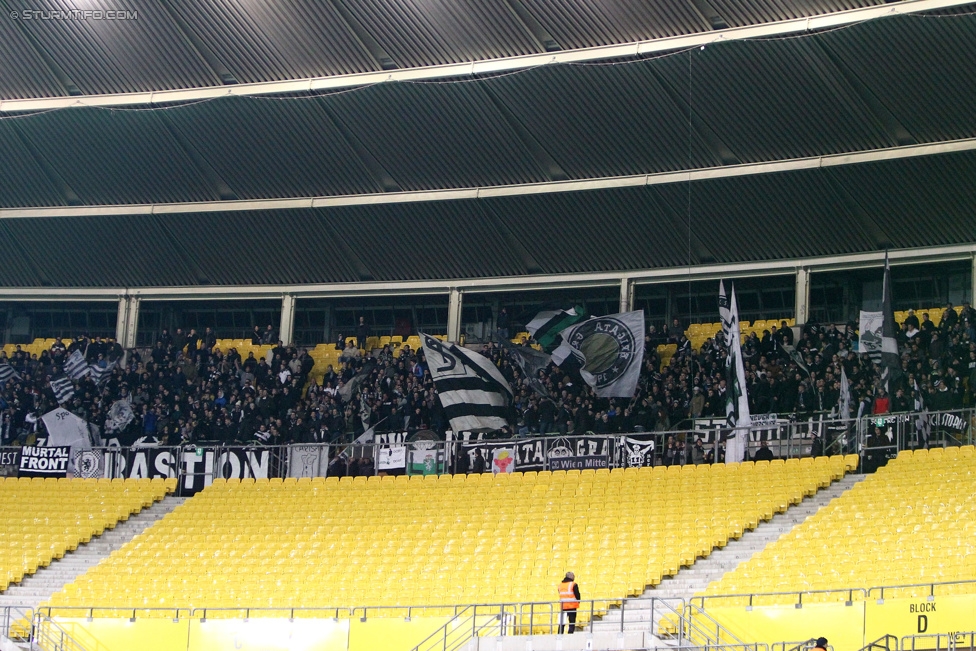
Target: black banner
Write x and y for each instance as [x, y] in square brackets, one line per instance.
[44, 461]
[508, 456]
[9, 462]
[579, 453]
[635, 451]
[196, 466]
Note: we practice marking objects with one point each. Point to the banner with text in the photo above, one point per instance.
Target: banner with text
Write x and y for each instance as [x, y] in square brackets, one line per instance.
[44, 462]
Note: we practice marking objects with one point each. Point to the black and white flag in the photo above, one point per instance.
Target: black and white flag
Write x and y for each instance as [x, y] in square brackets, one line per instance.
[7, 372]
[530, 361]
[890, 361]
[474, 394]
[75, 366]
[101, 375]
[737, 401]
[64, 389]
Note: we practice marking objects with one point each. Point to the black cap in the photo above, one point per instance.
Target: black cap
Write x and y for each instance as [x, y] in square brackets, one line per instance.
[822, 642]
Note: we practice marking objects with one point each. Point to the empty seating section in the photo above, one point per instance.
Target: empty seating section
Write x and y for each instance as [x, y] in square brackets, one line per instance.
[434, 541]
[907, 524]
[42, 519]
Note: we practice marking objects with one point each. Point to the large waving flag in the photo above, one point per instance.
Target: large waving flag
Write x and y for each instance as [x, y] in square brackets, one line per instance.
[7, 372]
[530, 361]
[474, 393]
[75, 366]
[890, 362]
[547, 325]
[610, 350]
[737, 402]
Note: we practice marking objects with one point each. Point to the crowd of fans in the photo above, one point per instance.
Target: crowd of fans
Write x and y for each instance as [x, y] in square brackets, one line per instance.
[186, 390]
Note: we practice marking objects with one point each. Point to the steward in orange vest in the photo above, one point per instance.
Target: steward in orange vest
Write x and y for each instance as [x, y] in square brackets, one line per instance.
[569, 601]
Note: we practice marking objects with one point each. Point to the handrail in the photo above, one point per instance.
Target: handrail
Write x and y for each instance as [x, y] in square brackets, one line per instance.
[11, 615]
[865, 592]
[51, 637]
[931, 586]
[886, 642]
[805, 645]
[952, 641]
[798, 593]
[694, 612]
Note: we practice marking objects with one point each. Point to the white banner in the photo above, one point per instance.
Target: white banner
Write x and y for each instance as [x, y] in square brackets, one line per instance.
[391, 457]
[308, 460]
[870, 334]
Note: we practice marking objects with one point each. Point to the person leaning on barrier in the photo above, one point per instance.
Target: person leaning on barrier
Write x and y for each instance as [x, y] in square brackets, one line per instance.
[569, 602]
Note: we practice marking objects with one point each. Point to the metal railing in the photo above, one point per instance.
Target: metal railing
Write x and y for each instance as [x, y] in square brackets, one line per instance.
[49, 636]
[961, 641]
[752, 599]
[17, 622]
[883, 643]
[805, 645]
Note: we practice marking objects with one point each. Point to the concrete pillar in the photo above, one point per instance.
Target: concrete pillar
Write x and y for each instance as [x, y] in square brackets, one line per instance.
[127, 321]
[802, 311]
[972, 284]
[286, 327]
[626, 295]
[454, 315]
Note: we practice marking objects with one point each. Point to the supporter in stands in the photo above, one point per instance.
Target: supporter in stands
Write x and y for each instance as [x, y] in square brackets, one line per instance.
[501, 324]
[763, 453]
[362, 334]
[569, 601]
[478, 467]
[821, 644]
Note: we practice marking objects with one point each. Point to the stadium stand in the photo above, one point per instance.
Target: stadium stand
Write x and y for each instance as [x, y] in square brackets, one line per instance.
[42, 519]
[440, 540]
[904, 525]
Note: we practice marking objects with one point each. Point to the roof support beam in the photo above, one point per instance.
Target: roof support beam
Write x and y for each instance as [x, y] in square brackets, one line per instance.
[727, 171]
[786, 267]
[492, 66]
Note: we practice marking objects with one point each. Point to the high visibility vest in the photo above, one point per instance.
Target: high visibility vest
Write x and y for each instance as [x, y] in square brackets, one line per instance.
[567, 597]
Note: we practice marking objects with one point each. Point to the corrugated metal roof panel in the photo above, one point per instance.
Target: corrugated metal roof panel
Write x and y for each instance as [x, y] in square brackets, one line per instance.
[585, 23]
[145, 53]
[22, 181]
[274, 147]
[434, 32]
[920, 68]
[113, 251]
[24, 73]
[287, 39]
[17, 269]
[412, 241]
[769, 216]
[738, 13]
[919, 201]
[274, 247]
[116, 157]
[433, 135]
[607, 120]
[772, 100]
[594, 231]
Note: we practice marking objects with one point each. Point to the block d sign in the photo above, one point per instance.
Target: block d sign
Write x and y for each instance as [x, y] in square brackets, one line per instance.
[44, 462]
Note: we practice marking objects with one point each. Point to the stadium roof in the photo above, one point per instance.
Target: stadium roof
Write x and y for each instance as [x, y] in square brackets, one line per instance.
[840, 141]
[881, 84]
[212, 43]
[902, 203]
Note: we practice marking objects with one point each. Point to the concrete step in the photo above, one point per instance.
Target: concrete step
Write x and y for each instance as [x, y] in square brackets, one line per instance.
[39, 587]
[690, 581]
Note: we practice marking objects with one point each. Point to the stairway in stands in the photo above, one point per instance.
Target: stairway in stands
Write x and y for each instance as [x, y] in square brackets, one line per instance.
[39, 587]
[692, 580]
